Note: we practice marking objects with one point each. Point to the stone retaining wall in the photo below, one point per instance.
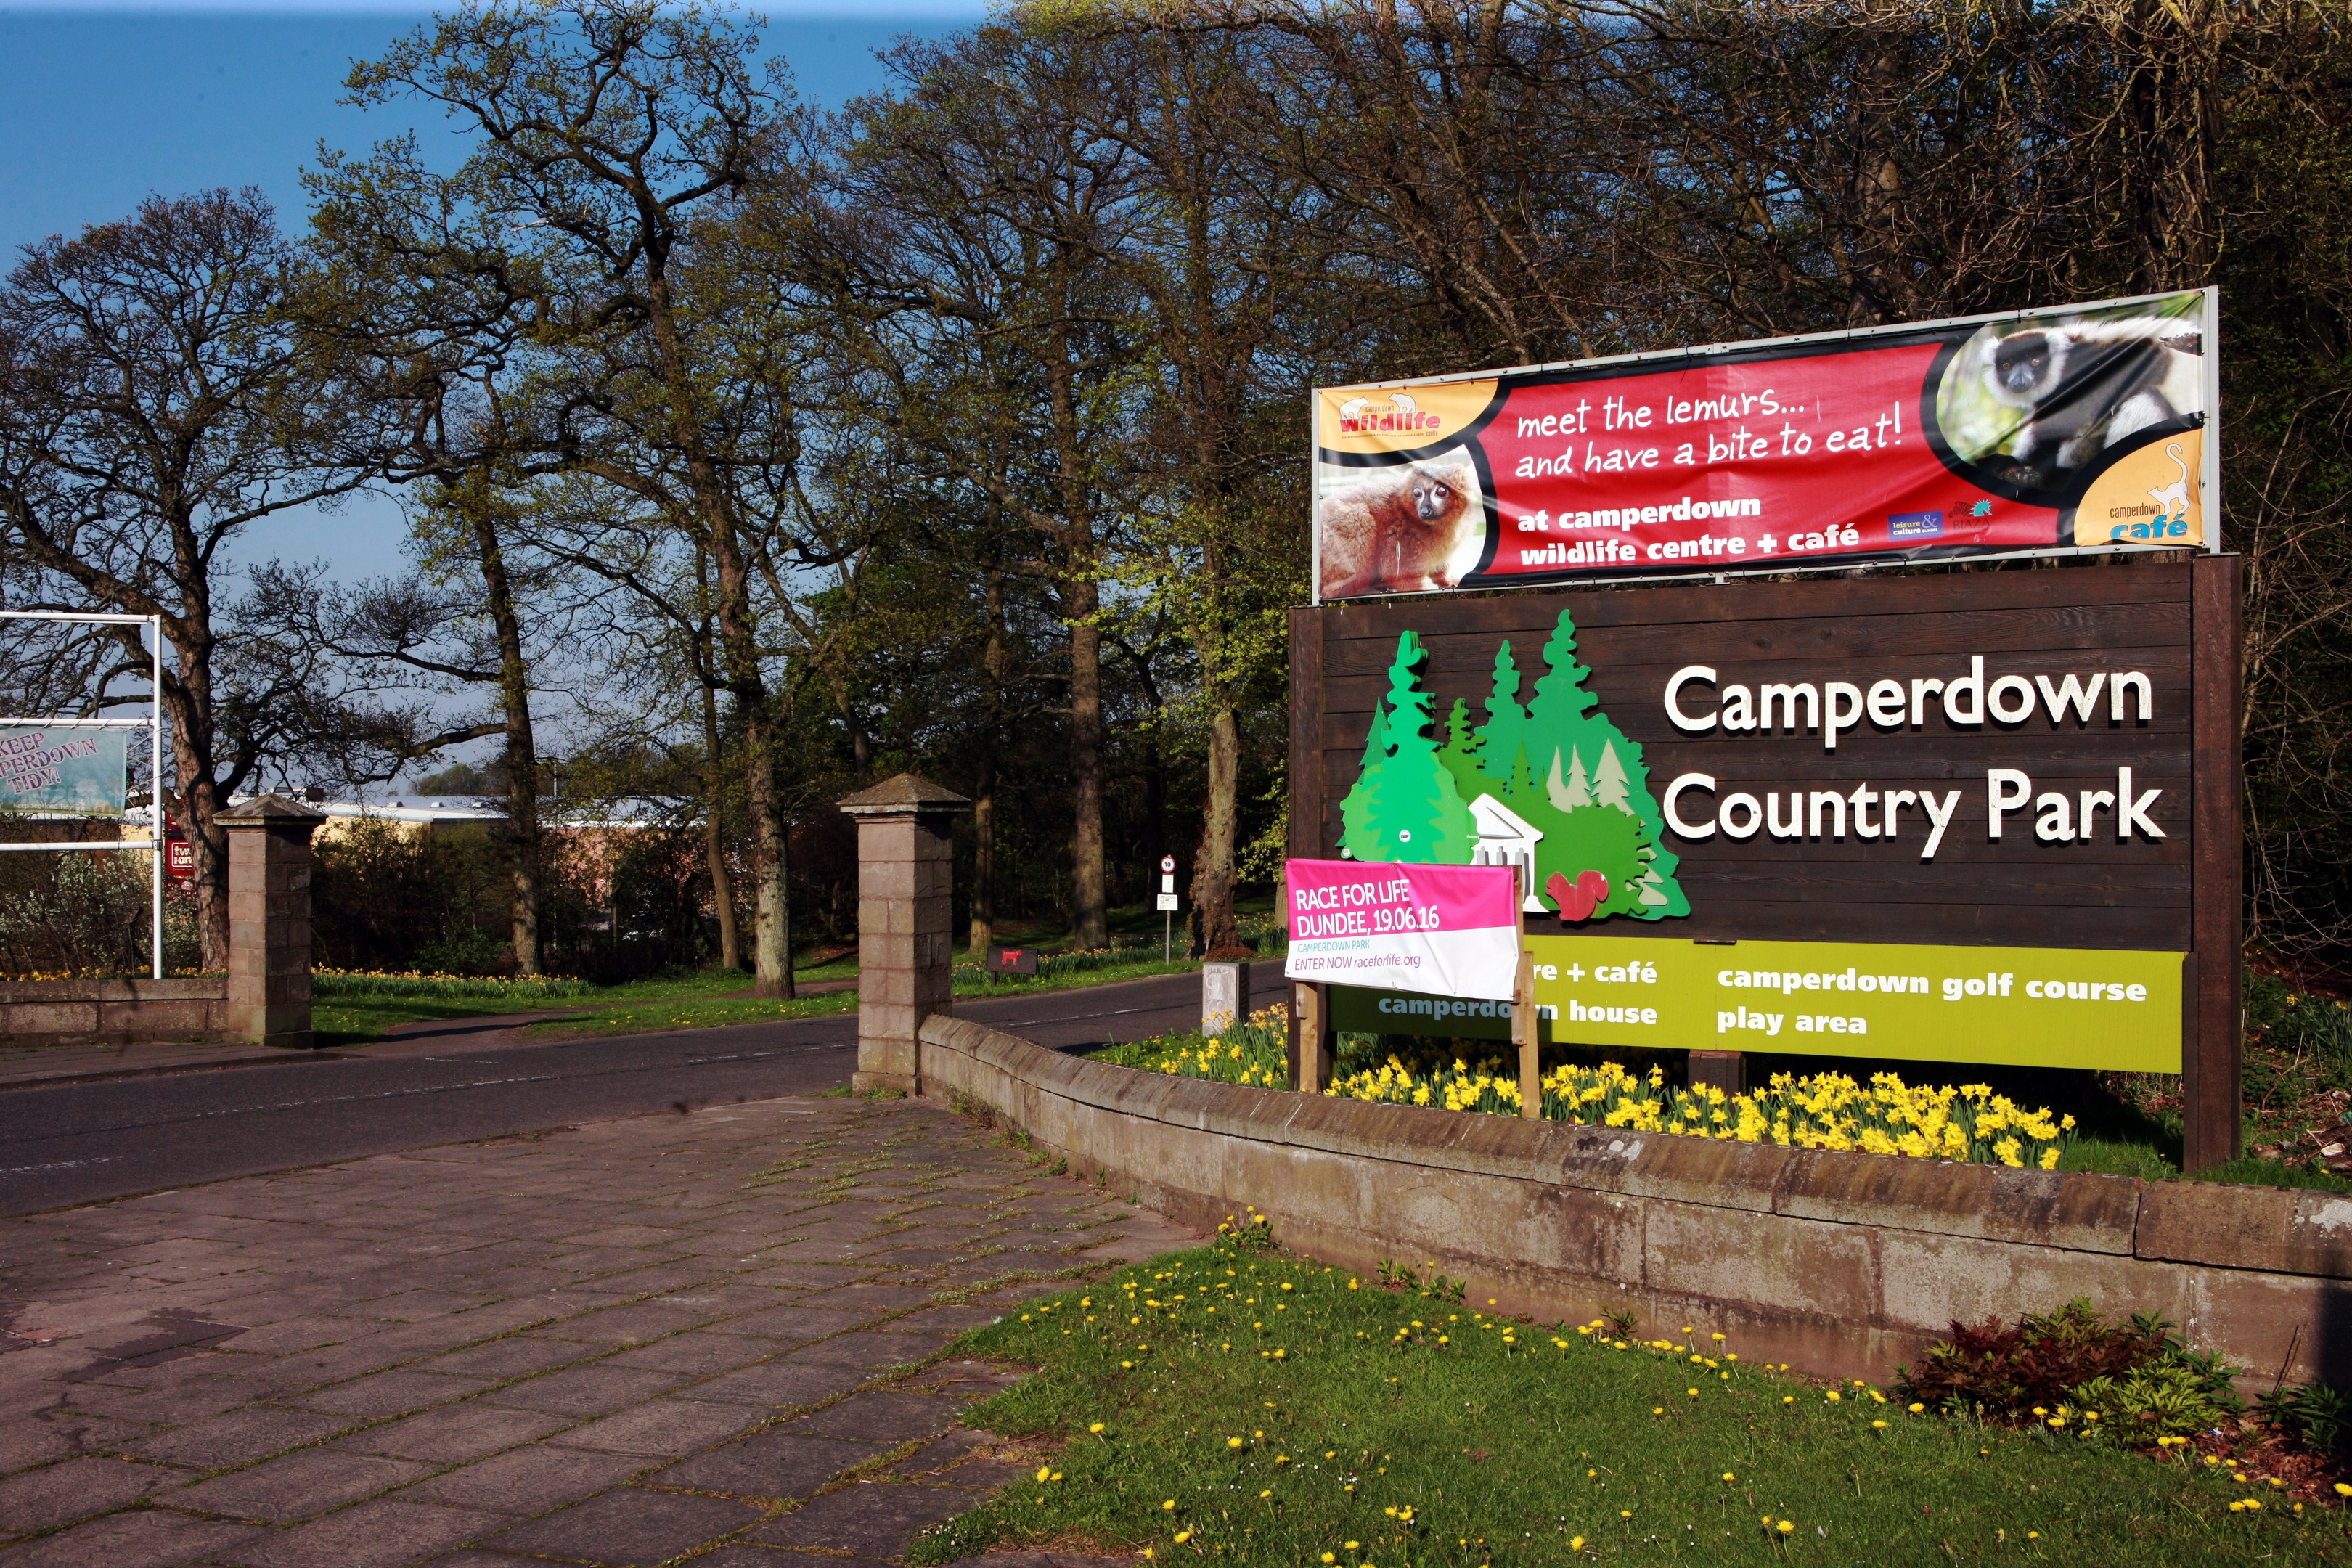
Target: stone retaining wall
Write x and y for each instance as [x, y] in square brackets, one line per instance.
[1841, 1264]
[45, 1012]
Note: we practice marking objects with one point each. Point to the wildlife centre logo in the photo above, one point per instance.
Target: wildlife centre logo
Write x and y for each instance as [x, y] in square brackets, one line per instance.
[1361, 416]
[1551, 786]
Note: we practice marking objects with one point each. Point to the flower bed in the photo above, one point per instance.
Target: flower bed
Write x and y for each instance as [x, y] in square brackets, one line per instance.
[1968, 1122]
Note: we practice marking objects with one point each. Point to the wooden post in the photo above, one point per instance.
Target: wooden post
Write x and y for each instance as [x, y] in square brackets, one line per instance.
[1726, 1070]
[2212, 1111]
[1312, 1038]
[1524, 1029]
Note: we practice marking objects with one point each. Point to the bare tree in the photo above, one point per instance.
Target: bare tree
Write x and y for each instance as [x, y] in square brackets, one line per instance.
[604, 132]
[155, 400]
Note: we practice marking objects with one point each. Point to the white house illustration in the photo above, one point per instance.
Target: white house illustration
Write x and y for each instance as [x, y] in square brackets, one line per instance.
[1505, 839]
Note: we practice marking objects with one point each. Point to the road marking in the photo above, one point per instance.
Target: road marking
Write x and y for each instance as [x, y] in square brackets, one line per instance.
[759, 1056]
[1081, 1017]
[55, 1166]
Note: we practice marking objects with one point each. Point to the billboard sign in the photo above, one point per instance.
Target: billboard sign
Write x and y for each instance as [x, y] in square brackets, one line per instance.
[2087, 427]
[68, 770]
[1981, 817]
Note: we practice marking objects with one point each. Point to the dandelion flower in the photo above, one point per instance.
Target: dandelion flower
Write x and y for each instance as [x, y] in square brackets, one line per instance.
[1168, 1506]
[1095, 1428]
[1727, 1475]
[1233, 1442]
[1788, 1525]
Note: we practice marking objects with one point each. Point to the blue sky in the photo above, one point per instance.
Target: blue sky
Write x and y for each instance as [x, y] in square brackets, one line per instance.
[101, 104]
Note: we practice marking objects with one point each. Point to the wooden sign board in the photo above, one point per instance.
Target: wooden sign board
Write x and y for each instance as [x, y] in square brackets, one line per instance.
[1986, 816]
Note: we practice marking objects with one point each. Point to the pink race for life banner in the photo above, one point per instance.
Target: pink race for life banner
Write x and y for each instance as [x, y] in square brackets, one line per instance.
[1439, 931]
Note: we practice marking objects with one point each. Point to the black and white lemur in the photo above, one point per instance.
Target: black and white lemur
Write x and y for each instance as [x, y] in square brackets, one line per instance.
[2084, 386]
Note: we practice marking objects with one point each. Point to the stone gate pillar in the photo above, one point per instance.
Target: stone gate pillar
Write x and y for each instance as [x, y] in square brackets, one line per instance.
[269, 920]
[906, 940]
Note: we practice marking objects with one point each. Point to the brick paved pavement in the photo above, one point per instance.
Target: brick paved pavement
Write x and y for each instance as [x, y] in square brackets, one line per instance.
[618, 1345]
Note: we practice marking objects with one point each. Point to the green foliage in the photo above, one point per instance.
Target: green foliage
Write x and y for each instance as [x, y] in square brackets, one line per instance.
[2318, 1413]
[1255, 1050]
[2141, 1380]
[88, 912]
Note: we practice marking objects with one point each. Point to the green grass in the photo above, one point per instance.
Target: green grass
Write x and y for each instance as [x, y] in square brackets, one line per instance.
[351, 1009]
[357, 1023]
[519, 994]
[1348, 1415]
[971, 983]
[659, 1014]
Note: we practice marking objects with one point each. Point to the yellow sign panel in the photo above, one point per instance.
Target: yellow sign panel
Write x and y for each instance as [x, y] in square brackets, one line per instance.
[2116, 1010]
[1373, 419]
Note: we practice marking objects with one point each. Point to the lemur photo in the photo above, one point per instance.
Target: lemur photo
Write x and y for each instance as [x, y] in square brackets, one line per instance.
[1404, 529]
[2039, 403]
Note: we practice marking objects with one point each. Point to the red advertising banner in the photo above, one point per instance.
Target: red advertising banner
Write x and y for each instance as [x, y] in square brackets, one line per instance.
[2088, 428]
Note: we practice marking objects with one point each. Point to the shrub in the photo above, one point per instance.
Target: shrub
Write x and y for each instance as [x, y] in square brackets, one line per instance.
[2316, 1413]
[2140, 1381]
[89, 912]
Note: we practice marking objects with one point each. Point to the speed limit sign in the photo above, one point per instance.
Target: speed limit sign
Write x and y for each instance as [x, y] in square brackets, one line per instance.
[1167, 863]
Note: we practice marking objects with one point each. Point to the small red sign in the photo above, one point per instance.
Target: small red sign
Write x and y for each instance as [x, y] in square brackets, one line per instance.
[180, 859]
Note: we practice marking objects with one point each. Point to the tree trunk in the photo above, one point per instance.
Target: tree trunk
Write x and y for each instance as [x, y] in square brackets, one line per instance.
[738, 639]
[2173, 112]
[1213, 868]
[772, 916]
[984, 793]
[187, 701]
[714, 845]
[1089, 924]
[522, 832]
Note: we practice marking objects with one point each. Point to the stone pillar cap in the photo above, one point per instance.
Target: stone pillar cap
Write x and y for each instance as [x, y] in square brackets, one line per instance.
[903, 796]
[265, 809]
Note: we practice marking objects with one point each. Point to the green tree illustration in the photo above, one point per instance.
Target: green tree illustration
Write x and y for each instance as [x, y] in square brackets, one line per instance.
[1565, 720]
[1558, 764]
[1505, 732]
[1463, 753]
[1405, 805]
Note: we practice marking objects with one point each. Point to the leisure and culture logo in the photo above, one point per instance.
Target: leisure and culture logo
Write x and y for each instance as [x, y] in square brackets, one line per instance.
[1551, 786]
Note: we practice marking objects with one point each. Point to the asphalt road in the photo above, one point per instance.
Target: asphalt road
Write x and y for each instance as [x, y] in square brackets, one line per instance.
[77, 1143]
